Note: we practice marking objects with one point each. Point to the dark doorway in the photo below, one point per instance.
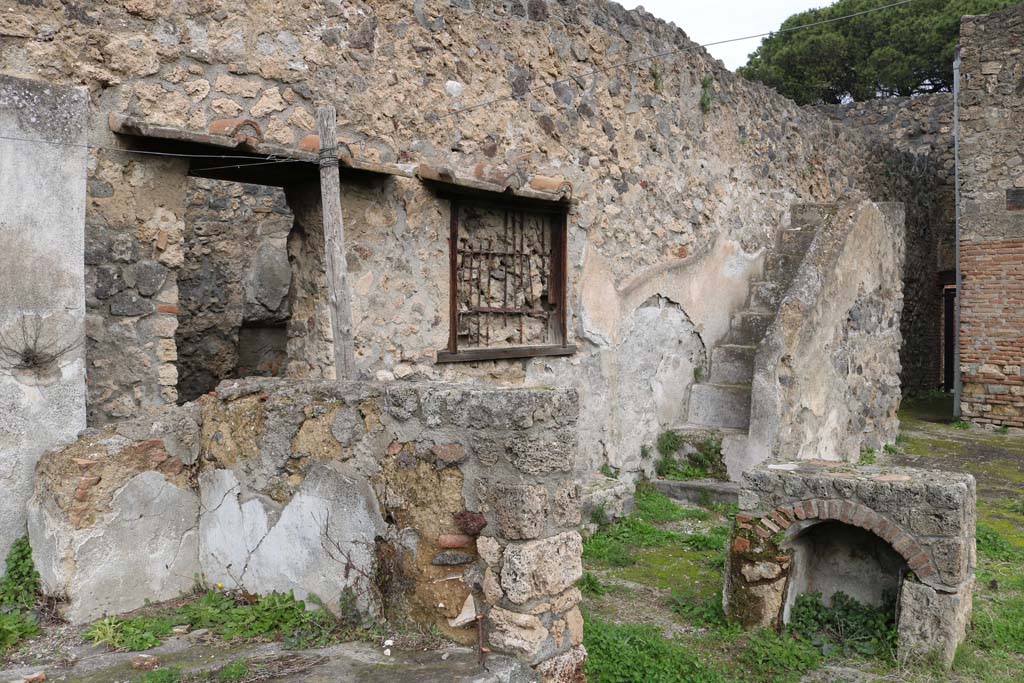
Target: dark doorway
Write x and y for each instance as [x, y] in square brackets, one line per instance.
[949, 338]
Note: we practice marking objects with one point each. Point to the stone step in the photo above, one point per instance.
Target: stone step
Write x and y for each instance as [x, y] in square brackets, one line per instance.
[766, 295]
[748, 327]
[732, 364]
[782, 267]
[720, 405]
[796, 240]
[699, 491]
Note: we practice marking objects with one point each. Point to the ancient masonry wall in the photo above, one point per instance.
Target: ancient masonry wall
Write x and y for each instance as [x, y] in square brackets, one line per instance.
[918, 131]
[440, 504]
[42, 312]
[829, 356]
[233, 286]
[674, 206]
[991, 135]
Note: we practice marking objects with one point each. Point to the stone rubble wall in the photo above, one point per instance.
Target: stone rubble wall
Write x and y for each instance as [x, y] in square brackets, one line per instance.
[42, 310]
[990, 129]
[674, 206]
[441, 504]
[927, 517]
[919, 128]
[826, 375]
[235, 275]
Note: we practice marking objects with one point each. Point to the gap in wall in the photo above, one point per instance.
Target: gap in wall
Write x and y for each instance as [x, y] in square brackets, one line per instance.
[234, 285]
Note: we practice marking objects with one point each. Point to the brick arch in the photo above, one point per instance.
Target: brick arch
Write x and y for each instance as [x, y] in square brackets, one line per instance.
[853, 513]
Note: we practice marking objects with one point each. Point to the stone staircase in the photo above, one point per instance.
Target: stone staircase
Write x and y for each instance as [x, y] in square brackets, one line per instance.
[721, 402]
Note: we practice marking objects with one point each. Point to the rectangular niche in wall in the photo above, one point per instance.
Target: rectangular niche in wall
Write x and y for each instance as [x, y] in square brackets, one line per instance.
[508, 281]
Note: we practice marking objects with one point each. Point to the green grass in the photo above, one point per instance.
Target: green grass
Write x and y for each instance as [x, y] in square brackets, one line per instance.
[591, 586]
[634, 653]
[169, 675]
[657, 508]
[774, 658]
[668, 443]
[705, 460]
[14, 627]
[235, 671]
[960, 424]
[868, 456]
[277, 616]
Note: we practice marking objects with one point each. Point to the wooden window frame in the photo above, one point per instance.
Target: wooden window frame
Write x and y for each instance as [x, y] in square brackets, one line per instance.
[557, 278]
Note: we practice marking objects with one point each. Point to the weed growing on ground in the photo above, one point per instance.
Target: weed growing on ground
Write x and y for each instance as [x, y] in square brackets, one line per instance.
[775, 658]
[235, 671]
[701, 612]
[276, 616]
[606, 550]
[634, 653]
[19, 587]
[891, 448]
[19, 592]
[868, 456]
[713, 539]
[590, 585]
[704, 462]
[14, 626]
[599, 515]
[607, 471]
[846, 626]
[654, 506]
[169, 675]
[993, 545]
[960, 424]
[668, 443]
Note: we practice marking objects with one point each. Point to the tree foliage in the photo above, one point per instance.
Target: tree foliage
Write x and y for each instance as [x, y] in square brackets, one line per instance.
[904, 50]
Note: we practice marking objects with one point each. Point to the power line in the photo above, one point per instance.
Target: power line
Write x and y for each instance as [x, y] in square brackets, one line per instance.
[669, 53]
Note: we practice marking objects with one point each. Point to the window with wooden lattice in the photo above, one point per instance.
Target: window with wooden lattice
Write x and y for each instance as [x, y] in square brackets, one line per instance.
[508, 281]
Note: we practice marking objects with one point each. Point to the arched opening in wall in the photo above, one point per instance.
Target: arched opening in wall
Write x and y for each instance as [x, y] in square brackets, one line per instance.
[234, 285]
[832, 557]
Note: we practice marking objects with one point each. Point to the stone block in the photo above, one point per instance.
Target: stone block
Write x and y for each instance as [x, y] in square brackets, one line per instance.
[552, 452]
[145, 548]
[521, 510]
[542, 568]
[932, 623]
[564, 668]
[515, 633]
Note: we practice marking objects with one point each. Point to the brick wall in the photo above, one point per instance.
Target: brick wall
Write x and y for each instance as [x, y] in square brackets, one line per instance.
[991, 134]
[991, 320]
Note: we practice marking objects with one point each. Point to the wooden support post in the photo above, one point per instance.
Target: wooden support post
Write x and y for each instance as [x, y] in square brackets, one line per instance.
[334, 244]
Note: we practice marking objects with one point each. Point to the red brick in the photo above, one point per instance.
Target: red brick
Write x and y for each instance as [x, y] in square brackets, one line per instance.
[740, 545]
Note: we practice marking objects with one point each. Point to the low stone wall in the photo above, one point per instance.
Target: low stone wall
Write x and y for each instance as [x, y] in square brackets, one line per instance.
[826, 376]
[923, 520]
[440, 504]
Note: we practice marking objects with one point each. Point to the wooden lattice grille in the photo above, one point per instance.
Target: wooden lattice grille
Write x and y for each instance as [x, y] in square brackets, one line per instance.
[507, 279]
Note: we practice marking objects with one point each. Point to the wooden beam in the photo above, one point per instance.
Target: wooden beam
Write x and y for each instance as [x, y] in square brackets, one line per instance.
[334, 244]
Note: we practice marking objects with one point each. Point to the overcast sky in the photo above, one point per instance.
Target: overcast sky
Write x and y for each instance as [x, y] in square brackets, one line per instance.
[706, 21]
